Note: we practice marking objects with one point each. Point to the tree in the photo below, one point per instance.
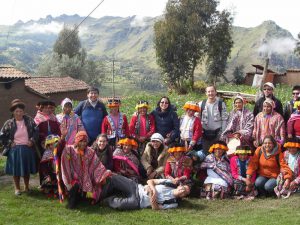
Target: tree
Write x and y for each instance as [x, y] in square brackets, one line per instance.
[238, 74]
[297, 49]
[67, 43]
[184, 36]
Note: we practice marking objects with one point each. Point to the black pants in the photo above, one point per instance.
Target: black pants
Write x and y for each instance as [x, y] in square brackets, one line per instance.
[121, 193]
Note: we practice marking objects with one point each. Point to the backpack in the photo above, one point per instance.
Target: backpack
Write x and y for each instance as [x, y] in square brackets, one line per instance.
[204, 103]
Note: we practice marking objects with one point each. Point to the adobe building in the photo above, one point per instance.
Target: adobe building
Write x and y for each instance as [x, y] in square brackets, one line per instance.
[17, 84]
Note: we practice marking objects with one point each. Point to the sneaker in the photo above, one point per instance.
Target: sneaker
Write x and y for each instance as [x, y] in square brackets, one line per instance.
[17, 192]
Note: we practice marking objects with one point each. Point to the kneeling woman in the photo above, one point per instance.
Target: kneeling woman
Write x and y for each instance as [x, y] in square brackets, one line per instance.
[125, 161]
[268, 162]
[219, 179]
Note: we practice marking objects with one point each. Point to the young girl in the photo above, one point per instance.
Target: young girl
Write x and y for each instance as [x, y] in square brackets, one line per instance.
[51, 182]
[115, 124]
[179, 166]
[125, 162]
[219, 179]
[142, 125]
[238, 164]
[190, 127]
[292, 157]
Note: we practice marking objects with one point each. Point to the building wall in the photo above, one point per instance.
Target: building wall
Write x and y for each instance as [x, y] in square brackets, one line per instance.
[249, 79]
[74, 95]
[293, 78]
[17, 90]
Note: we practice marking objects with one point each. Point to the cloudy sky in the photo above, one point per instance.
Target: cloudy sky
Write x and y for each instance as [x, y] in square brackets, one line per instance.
[246, 13]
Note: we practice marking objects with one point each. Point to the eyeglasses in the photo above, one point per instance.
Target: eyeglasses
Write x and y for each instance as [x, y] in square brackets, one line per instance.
[268, 89]
[295, 93]
[164, 103]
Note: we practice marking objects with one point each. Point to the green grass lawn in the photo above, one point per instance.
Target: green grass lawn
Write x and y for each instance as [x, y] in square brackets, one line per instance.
[35, 208]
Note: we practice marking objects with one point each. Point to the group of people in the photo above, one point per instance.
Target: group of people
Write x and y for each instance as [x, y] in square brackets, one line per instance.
[157, 157]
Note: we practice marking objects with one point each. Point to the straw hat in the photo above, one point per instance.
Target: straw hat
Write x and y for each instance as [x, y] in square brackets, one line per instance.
[16, 103]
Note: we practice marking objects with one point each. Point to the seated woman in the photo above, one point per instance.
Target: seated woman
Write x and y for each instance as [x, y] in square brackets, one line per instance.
[238, 166]
[125, 161]
[50, 167]
[142, 125]
[268, 122]
[82, 172]
[190, 127]
[292, 158]
[104, 151]
[155, 156]
[115, 124]
[219, 179]
[240, 123]
[69, 121]
[179, 166]
[267, 162]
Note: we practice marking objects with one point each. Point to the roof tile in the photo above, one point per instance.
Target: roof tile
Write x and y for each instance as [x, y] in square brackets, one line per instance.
[7, 71]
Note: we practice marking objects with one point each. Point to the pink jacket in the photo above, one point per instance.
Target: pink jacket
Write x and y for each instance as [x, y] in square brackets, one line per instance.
[235, 171]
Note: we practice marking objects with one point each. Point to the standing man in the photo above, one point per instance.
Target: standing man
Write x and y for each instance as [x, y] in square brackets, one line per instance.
[213, 116]
[289, 107]
[268, 92]
[92, 113]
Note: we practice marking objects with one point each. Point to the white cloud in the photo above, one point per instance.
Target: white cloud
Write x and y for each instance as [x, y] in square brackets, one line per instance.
[280, 46]
[139, 21]
[53, 27]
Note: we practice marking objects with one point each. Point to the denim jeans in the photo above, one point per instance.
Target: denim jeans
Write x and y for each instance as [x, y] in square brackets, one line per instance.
[265, 185]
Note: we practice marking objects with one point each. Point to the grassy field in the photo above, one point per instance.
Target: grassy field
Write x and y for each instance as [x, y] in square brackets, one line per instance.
[35, 208]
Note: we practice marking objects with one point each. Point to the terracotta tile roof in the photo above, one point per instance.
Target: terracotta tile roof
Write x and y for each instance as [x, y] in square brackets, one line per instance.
[293, 70]
[47, 85]
[7, 71]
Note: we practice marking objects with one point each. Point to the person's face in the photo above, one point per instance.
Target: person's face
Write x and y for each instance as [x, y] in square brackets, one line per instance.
[177, 155]
[182, 191]
[156, 144]
[93, 96]
[164, 104]
[114, 110]
[211, 93]
[82, 144]
[218, 153]
[293, 151]
[51, 109]
[243, 157]
[142, 111]
[268, 145]
[268, 91]
[67, 108]
[267, 108]
[295, 94]
[190, 112]
[238, 104]
[18, 114]
[102, 142]
[127, 148]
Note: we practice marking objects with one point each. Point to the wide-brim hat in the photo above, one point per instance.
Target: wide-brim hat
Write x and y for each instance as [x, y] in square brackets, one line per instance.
[243, 150]
[128, 141]
[177, 149]
[292, 144]
[15, 103]
[113, 102]
[142, 104]
[192, 106]
[217, 146]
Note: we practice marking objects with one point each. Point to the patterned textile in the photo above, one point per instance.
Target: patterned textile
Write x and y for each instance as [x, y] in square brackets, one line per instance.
[272, 124]
[241, 122]
[42, 117]
[87, 171]
[73, 124]
[177, 168]
[220, 167]
[126, 164]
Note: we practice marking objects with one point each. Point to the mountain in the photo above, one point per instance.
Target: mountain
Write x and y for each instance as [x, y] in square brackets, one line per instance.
[130, 41]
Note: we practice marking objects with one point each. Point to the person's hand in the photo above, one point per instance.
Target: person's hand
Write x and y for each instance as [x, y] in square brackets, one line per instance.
[248, 182]
[190, 148]
[237, 135]
[255, 143]
[142, 139]
[29, 143]
[176, 180]
[152, 175]
[64, 132]
[13, 144]
[290, 135]
[167, 141]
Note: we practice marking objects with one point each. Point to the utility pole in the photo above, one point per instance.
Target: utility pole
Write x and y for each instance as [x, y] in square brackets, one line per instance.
[113, 77]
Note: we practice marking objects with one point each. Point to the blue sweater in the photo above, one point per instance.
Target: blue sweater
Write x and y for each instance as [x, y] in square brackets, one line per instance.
[91, 117]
